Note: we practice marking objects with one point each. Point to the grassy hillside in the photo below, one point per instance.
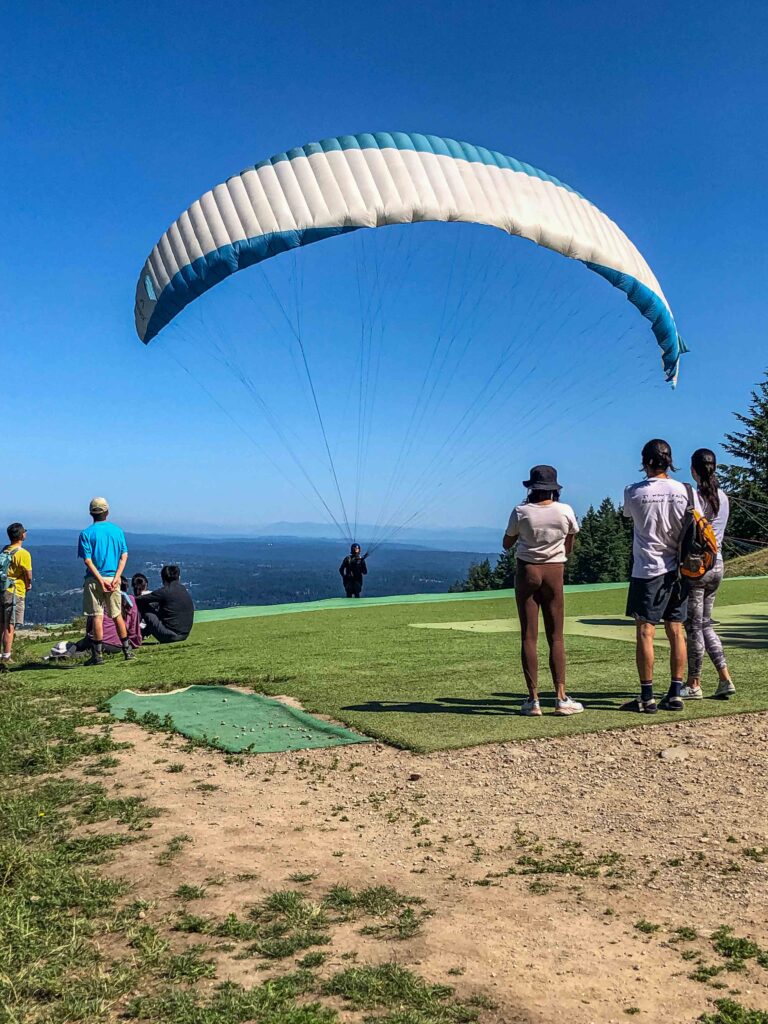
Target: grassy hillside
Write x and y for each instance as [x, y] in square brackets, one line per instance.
[424, 688]
[754, 564]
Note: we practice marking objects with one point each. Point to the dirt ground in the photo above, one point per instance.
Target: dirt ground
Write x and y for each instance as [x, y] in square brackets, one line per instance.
[679, 804]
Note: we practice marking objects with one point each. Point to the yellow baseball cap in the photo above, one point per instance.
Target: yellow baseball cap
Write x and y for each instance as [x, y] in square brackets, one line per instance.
[98, 506]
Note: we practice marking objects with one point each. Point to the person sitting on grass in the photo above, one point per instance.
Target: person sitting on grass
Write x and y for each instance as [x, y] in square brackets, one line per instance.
[657, 507]
[169, 611]
[15, 582]
[103, 549]
[711, 502]
[544, 529]
[139, 584]
[110, 643]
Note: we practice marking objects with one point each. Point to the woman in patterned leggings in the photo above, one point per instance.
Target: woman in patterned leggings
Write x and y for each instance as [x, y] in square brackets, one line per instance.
[712, 502]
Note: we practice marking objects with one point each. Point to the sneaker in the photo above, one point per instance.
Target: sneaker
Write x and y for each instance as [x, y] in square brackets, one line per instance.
[530, 708]
[670, 703]
[96, 658]
[128, 653]
[645, 707]
[725, 689]
[568, 707]
[692, 693]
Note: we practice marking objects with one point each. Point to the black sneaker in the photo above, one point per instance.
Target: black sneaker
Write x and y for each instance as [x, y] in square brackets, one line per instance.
[670, 703]
[637, 704]
[128, 653]
[96, 658]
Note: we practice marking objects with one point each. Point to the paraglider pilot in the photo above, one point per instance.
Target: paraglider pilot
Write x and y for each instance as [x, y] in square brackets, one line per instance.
[352, 570]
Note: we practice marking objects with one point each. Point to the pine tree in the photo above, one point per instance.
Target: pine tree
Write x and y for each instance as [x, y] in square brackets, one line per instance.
[479, 576]
[749, 481]
[504, 574]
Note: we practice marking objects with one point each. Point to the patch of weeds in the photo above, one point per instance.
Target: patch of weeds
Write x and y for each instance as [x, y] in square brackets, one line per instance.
[404, 926]
[737, 950]
[316, 959]
[302, 877]
[684, 934]
[206, 787]
[188, 966]
[539, 888]
[571, 859]
[729, 1012]
[287, 924]
[175, 767]
[631, 1010]
[406, 996]
[193, 923]
[233, 928]
[190, 892]
[173, 848]
[248, 876]
[96, 806]
[274, 1001]
[689, 954]
[646, 927]
[455, 972]
[704, 973]
[759, 854]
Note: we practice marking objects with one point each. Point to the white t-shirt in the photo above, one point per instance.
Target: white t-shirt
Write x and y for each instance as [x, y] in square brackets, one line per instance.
[719, 522]
[540, 531]
[657, 509]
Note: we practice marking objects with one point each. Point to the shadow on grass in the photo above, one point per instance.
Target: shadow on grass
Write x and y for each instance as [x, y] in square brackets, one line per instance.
[498, 704]
[749, 633]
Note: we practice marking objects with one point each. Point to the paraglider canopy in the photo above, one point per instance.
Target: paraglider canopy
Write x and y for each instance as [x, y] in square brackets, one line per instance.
[370, 180]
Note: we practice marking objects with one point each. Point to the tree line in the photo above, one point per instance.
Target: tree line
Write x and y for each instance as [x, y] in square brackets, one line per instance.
[602, 552]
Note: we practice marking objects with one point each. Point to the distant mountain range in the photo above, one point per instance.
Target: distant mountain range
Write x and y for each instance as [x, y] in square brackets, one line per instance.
[467, 538]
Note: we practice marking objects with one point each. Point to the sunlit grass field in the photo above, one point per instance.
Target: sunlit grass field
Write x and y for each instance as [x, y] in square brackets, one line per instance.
[421, 688]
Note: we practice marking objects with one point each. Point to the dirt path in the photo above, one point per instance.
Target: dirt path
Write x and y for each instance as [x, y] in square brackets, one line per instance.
[662, 840]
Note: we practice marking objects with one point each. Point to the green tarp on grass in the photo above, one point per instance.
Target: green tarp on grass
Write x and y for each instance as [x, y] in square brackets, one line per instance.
[235, 721]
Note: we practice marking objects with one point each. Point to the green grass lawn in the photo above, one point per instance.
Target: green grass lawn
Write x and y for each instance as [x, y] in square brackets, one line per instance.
[426, 689]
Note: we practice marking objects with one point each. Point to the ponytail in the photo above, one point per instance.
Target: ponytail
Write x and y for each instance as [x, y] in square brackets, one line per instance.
[704, 462]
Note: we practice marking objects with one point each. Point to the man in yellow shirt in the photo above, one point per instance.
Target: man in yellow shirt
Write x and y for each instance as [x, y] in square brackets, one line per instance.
[15, 581]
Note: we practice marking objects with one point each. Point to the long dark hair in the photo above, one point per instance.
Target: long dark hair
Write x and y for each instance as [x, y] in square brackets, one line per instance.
[704, 462]
[534, 497]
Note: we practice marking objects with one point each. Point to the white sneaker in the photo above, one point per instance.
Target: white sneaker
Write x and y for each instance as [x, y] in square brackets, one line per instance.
[530, 708]
[725, 689]
[568, 707]
[692, 693]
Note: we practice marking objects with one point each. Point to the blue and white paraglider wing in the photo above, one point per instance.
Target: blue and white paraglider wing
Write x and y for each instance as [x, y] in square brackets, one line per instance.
[367, 181]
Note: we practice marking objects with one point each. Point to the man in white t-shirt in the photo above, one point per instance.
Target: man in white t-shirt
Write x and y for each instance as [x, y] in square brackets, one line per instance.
[657, 507]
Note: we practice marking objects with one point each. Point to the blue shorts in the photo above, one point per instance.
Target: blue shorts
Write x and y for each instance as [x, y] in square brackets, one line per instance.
[661, 599]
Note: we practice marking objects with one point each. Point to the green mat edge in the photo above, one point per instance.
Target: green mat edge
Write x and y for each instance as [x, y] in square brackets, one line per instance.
[340, 732]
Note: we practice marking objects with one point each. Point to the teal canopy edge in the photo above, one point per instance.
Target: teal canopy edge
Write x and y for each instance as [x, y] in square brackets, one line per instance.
[653, 309]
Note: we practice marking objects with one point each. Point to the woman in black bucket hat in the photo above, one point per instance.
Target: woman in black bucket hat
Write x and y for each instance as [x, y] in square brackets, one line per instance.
[543, 528]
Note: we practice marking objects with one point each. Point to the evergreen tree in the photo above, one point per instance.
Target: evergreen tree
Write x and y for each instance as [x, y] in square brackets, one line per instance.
[479, 577]
[504, 574]
[749, 481]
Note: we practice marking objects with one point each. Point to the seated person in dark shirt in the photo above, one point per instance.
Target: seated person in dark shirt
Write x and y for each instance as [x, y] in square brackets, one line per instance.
[169, 611]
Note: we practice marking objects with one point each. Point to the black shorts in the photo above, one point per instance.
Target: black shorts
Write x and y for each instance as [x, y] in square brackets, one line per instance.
[663, 598]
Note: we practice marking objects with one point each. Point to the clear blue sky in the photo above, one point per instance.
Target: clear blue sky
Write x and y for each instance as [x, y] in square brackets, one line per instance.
[116, 116]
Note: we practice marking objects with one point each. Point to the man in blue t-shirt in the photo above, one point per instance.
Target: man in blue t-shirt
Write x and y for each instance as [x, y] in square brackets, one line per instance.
[103, 549]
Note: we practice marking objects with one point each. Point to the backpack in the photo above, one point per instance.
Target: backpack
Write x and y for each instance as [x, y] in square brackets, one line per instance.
[698, 544]
[6, 559]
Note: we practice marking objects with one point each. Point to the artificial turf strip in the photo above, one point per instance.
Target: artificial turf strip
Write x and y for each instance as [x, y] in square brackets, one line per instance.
[420, 688]
[234, 721]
